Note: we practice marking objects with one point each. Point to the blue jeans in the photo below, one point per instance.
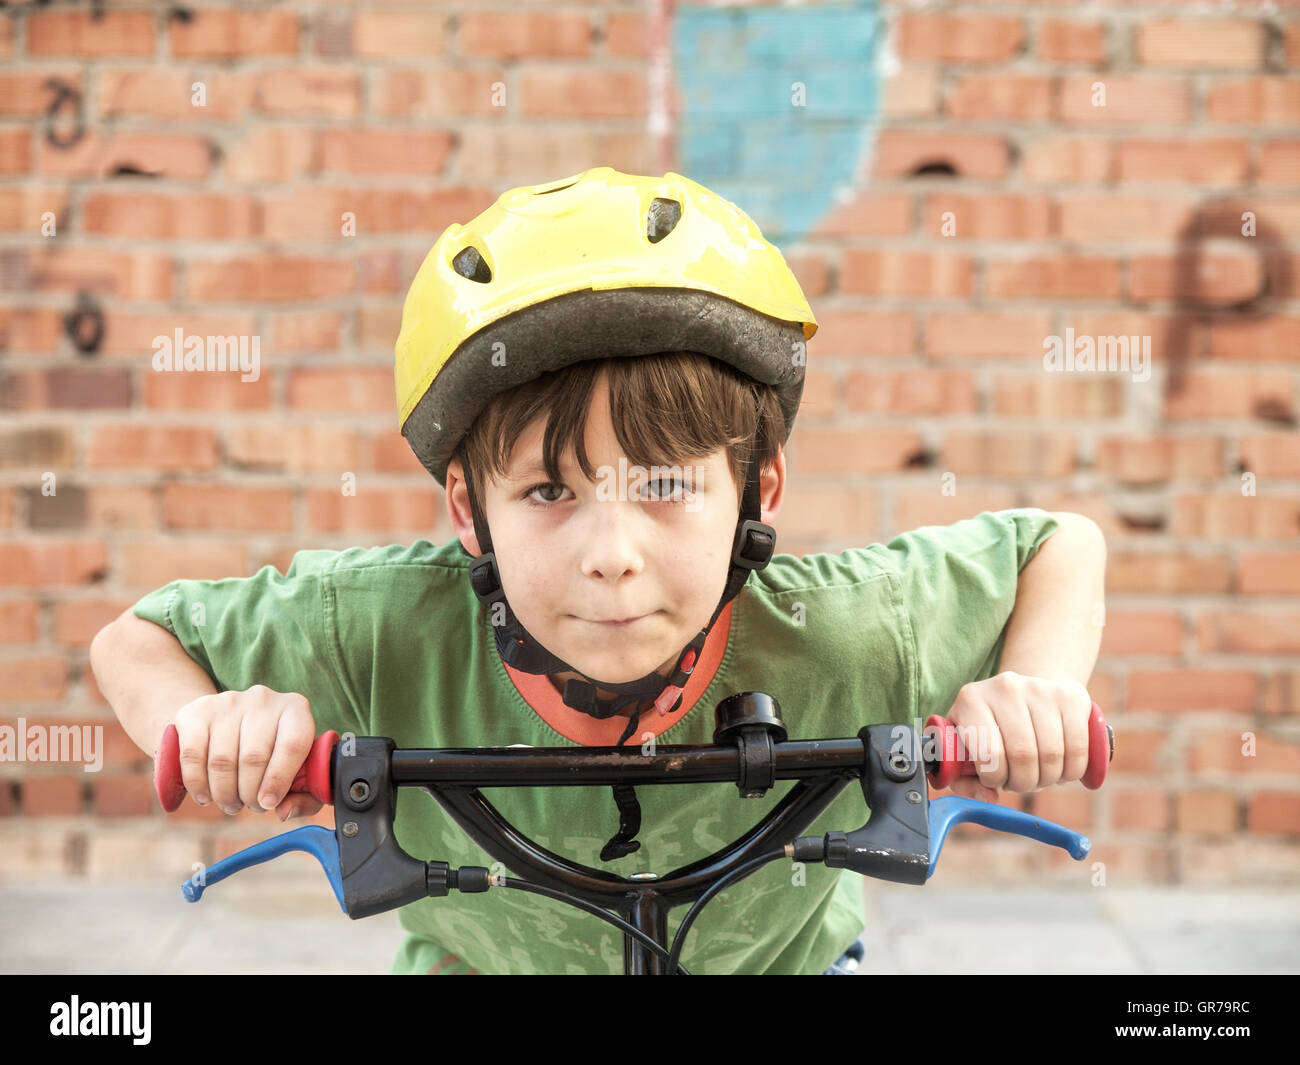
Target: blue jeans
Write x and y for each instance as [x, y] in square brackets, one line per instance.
[847, 963]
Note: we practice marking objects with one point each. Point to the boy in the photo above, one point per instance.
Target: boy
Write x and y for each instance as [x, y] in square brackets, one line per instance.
[602, 373]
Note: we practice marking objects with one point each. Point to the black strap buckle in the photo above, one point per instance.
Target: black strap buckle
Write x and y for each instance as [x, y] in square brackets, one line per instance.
[754, 544]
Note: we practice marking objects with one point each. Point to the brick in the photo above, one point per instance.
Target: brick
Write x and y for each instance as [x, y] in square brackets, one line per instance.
[309, 331]
[519, 35]
[1055, 277]
[377, 325]
[1158, 459]
[150, 565]
[1066, 804]
[985, 334]
[125, 796]
[15, 150]
[1130, 99]
[371, 510]
[1269, 573]
[145, 91]
[1143, 809]
[1061, 40]
[1055, 160]
[1278, 162]
[17, 621]
[910, 391]
[215, 506]
[1142, 632]
[180, 156]
[958, 38]
[1224, 751]
[868, 213]
[32, 680]
[386, 34]
[294, 449]
[1123, 218]
[51, 795]
[1274, 813]
[43, 563]
[122, 507]
[1142, 751]
[351, 389]
[27, 94]
[1011, 97]
[1276, 339]
[79, 34]
[1203, 280]
[1007, 453]
[1043, 396]
[1254, 631]
[911, 92]
[989, 216]
[627, 34]
[375, 151]
[854, 450]
[205, 392]
[66, 509]
[77, 621]
[1262, 863]
[200, 216]
[24, 207]
[218, 34]
[1167, 573]
[1250, 102]
[390, 453]
[905, 273]
[901, 152]
[134, 335]
[154, 447]
[1270, 454]
[580, 92]
[913, 509]
[1228, 690]
[1235, 517]
[139, 276]
[438, 92]
[1207, 812]
[300, 91]
[1201, 43]
[1281, 693]
[140, 854]
[29, 330]
[1221, 161]
[271, 277]
[270, 155]
[65, 388]
[814, 512]
[499, 154]
[38, 446]
[1253, 394]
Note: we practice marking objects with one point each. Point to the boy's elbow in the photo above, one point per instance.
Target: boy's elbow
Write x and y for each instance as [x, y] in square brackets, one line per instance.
[1082, 528]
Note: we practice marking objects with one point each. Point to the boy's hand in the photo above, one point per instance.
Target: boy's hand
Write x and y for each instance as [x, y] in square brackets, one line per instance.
[239, 747]
[1022, 733]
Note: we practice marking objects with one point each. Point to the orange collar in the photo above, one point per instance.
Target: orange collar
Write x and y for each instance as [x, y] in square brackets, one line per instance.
[548, 704]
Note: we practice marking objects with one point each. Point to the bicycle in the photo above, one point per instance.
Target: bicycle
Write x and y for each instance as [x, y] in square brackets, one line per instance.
[900, 842]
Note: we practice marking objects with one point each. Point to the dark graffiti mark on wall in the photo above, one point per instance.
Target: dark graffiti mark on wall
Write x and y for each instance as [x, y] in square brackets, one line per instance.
[67, 99]
[84, 324]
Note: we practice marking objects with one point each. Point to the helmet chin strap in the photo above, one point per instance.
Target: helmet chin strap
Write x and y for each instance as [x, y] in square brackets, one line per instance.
[751, 549]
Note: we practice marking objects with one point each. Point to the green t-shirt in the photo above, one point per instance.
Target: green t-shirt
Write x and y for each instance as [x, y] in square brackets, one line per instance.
[390, 641]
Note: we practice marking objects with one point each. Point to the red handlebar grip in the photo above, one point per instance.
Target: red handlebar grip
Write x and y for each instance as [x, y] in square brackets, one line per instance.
[945, 767]
[312, 779]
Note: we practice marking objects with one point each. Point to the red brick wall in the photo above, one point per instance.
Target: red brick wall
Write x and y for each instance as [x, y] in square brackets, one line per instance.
[1116, 220]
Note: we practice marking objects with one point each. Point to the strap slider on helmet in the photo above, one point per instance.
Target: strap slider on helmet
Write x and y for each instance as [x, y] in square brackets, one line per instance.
[485, 580]
[755, 542]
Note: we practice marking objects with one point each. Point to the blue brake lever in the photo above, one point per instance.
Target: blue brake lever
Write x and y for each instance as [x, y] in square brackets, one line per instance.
[954, 810]
[314, 839]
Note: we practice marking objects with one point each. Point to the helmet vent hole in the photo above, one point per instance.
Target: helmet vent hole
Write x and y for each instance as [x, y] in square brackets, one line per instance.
[469, 263]
[661, 218]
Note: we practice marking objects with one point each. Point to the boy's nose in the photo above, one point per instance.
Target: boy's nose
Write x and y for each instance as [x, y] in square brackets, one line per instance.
[611, 548]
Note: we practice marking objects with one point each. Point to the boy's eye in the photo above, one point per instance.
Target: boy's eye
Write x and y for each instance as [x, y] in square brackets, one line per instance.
[543, 489]
[664, 488]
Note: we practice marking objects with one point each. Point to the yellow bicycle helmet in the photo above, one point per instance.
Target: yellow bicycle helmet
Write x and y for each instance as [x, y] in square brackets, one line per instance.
[593, 265]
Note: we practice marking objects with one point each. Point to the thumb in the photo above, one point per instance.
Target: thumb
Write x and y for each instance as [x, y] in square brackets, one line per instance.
[971, 788]
[297, 804]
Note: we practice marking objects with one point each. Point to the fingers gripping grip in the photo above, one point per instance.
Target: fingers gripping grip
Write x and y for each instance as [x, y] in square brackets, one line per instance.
[947, 763]
[313, 778]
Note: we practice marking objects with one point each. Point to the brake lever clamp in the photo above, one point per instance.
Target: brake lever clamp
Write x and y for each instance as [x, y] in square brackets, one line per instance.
[894, 844]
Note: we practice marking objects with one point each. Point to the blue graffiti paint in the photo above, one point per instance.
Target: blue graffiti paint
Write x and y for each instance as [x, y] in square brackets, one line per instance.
[740, 131]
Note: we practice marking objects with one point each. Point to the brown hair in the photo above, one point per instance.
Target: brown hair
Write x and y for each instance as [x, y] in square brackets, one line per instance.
[666, 409]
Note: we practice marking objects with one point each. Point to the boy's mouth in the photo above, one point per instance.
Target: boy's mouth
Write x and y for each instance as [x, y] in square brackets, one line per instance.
[615, 621]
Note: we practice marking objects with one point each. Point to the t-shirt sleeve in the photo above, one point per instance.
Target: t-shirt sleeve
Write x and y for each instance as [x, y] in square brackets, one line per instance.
[271, 628]
[958, 588]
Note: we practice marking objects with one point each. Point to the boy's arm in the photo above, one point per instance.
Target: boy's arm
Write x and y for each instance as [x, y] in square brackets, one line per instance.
[1055, 627]
[1033, 713]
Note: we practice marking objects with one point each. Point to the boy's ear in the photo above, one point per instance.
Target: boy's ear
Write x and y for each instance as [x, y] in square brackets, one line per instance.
[458, 508]
[771, 488]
